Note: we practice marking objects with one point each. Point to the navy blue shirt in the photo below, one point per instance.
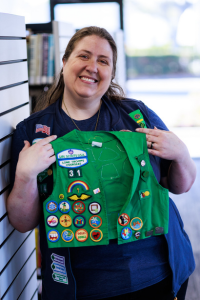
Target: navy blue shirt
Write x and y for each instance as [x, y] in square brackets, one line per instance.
[106, 271]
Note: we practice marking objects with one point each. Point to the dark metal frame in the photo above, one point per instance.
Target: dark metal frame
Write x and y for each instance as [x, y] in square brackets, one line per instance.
[53, 3]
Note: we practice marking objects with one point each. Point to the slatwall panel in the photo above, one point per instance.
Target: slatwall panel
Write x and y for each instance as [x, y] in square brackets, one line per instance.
[17, 250]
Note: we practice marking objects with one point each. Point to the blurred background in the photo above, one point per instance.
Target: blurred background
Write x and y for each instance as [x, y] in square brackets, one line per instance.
[159, 63]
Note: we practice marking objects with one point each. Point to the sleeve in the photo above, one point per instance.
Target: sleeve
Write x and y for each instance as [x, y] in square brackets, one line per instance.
[157, 122]
[18, 139]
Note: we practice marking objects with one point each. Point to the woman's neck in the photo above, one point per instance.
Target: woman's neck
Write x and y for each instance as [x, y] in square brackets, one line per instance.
[80, 110]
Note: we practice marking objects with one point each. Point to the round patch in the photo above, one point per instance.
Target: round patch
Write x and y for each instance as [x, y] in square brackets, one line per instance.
[126, 233]
[95, 221]
[53, 236]
[64, 207]
[79, 221]
[65, 221]
[51, 206]
[137, 235]
[78, 207]
[137, 116]
[96, 235]
[61, 196]
[81, 235]
[67, 235]
[143, 163]
[136, 223]
[52, 221]
[124, 219]
[94, 208]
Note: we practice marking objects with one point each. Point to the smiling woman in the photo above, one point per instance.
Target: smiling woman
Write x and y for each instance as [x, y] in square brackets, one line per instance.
[108, 229]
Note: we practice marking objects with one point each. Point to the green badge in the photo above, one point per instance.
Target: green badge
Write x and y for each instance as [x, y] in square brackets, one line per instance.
[74, 173]
[42, 188]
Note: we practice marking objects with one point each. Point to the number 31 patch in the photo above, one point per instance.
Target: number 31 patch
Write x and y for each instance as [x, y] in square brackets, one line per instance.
[74, 173]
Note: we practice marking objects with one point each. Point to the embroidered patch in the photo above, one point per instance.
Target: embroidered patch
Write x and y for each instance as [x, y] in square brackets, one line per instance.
[94, 208]
[67, 235]
[61, 196]
[95, 221]
[53, 236]
[137, 116]
[77, 183]
[41, 176]
[79, 221]
[59, 269]
[159, 230]
[96, 235]
[149, 233]
[71, 153]
[42, 128]
[78, 207]
[96, 144]
[81, 197]
[52, 221]
[96, 191]
[144, 194]
[124, 219]
[74, 173]
[81, 235]
[64, 207]
[42, 187]
[126, 233]
[72, 163]
[137, 235]
[51, 206]
[136, 223]
[65, 221]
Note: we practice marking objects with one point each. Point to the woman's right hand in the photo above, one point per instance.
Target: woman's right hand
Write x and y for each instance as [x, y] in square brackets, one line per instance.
[36, 158]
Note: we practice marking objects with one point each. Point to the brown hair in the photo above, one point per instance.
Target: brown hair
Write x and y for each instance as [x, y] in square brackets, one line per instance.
[114, 92]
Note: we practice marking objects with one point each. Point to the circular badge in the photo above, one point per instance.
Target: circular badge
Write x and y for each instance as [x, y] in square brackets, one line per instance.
[143, 163]
[65, 221]
[64, 207]
[124, 219]
[53, 236]
[78, 207]
[52, 206]
[96, 235]
[94, 208]
[52, 221]
[137, 235]
[61, 196]
[95, 221]
[136, 223]
[137, 116]
[67, 235]
[81, 235]
[79, 221]
[126, 233]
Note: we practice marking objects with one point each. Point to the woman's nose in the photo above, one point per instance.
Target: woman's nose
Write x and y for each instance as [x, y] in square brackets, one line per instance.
[92, 66]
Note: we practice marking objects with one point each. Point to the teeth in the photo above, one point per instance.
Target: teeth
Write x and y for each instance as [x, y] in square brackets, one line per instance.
[88, 79]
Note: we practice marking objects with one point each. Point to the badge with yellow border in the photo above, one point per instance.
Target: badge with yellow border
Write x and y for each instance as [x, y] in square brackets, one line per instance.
[67, 235]
[65, 221]
[136, 223]
[96, 235]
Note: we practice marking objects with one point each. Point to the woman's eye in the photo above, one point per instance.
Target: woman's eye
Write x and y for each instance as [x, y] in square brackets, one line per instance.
[84, 56]
[104, 62]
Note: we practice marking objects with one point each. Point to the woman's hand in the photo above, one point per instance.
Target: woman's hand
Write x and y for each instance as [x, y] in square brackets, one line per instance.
[164, 144]
[182, 171]
[36, 158]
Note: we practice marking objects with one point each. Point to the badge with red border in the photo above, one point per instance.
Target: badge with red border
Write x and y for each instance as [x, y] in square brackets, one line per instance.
[78, 207]
[123, 219]
[81, 235]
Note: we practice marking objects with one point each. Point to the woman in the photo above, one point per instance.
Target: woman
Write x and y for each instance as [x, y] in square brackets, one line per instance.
[86, 98]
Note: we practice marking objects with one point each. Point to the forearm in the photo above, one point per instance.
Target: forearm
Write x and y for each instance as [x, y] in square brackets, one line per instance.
[23, 204]
[181, 175]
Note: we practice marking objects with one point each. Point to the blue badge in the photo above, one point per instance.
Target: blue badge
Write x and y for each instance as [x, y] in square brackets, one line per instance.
[53, 236]
[126, 233]
[79, 221]
[64, 207]
[136, 223]
[67, 235]
[52, 206]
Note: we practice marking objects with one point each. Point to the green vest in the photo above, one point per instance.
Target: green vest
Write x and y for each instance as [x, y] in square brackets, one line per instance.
[104, 188]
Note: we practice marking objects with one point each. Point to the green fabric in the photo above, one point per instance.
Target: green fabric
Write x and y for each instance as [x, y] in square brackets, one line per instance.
[138, 117]
[127, 185]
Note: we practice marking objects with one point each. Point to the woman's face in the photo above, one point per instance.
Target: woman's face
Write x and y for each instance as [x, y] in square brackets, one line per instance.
[88, 71]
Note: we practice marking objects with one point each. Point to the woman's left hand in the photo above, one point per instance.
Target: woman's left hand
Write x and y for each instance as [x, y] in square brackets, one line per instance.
[164, 144]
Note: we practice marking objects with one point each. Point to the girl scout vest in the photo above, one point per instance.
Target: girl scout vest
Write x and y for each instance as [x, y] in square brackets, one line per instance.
[104, 188]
